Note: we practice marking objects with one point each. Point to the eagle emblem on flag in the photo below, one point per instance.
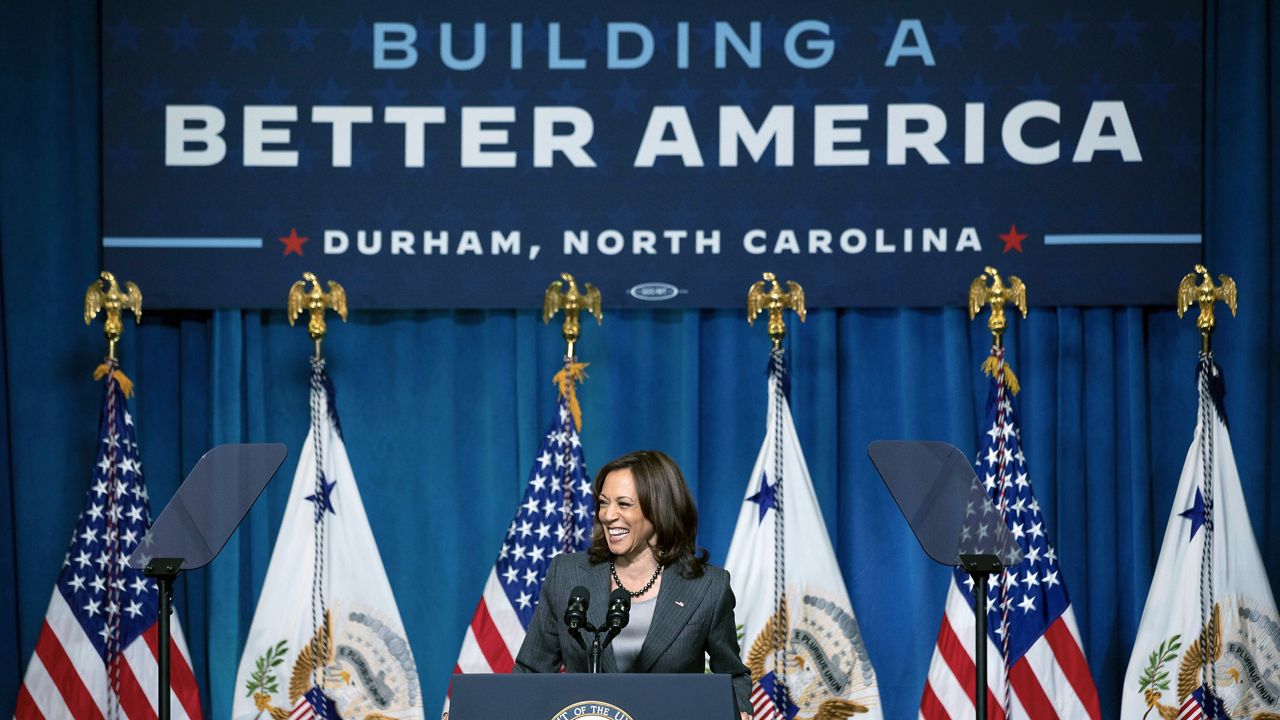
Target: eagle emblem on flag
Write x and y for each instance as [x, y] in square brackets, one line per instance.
[820, 672]
[358, 671]
[1243, 668]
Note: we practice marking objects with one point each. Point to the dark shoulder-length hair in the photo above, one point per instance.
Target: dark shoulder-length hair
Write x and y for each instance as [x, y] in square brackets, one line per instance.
[666, 503]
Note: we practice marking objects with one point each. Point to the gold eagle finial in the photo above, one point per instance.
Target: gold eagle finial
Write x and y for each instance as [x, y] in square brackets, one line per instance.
[104, 294]
[998, 294]
[572, 302]
[316, 302]
[1205, 295]
[773, 299]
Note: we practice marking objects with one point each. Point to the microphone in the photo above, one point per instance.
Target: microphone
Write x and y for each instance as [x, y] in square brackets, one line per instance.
[575, 613]
[619, 613]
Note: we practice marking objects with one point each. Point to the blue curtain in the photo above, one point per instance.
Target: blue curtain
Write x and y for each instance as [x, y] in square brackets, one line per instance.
[442, 410]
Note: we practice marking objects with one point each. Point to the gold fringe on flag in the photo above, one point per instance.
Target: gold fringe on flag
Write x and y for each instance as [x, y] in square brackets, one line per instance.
[990, 366]
[567, 380]
[126, 385]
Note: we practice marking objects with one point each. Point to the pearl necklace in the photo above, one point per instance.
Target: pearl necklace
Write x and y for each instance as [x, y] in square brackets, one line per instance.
[613, 570]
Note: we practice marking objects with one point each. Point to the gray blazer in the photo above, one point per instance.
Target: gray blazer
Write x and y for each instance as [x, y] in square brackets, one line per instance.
[691, 617]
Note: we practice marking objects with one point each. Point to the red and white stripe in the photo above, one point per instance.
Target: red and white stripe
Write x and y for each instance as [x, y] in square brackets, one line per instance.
[763, 706]
[1051, 681]
[494, 636]
[302, 710]
[67, 678]
[1191, 709]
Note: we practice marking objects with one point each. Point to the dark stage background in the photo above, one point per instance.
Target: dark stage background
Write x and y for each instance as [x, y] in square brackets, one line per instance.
[442, 410]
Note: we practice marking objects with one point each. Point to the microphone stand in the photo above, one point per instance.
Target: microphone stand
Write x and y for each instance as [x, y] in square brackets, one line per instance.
[616, 619]
[597, 646]
[593, 662]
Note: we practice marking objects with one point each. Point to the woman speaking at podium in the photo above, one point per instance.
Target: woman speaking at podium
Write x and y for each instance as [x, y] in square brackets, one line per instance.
[643, 542]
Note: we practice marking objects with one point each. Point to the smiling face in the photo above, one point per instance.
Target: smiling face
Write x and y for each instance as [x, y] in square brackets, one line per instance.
[628, 532]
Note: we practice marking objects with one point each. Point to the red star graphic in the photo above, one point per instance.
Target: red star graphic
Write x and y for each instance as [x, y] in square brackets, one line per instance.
[1012, 239]
[293, 242]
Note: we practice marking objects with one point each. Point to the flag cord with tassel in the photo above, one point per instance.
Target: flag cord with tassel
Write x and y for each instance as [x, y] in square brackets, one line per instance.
[110, 369]
[566, 382]
[781, 691]
[1208, 619]
[1006, 382]
[319, 620]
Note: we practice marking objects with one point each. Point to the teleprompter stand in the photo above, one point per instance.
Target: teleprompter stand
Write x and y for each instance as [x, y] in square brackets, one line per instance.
[953, 518]
[196, 524]
[164, 571]
[980, 568]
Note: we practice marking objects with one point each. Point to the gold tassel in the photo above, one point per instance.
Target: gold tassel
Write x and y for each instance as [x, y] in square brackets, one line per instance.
[126, 385]
[1010, 380]
[566, 379]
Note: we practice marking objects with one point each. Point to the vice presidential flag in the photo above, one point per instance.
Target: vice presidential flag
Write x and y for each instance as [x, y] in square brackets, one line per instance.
[555, 517]
[800, 638]
[1209, 641]
[96, 654]
[326, 639]
[1035, 661]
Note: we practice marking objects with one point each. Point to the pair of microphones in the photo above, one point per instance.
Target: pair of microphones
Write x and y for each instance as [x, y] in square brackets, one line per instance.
[617, 617]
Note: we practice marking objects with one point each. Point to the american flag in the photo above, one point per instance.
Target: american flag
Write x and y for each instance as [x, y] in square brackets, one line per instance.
[1036, 664]
[1197, 708]
[96, 654]
[555, 517]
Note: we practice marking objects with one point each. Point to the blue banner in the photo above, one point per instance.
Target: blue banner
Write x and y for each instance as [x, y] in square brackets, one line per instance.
[464, 155]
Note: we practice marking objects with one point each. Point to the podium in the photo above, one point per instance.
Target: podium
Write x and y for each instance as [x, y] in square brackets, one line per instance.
[583, 696]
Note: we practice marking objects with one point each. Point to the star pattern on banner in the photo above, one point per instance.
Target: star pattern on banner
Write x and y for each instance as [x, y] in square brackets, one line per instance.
[302, 36]
[1012, 239]
[293, 242]
[251, 56]
[183, 36]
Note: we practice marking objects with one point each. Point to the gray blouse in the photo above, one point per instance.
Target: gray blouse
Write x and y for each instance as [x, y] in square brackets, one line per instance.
[627, 645]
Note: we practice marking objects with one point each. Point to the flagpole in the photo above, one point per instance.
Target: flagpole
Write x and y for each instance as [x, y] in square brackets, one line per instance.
[104, 295]
[314, 301]
[995, 295]
[1206, 295]
[764, 295]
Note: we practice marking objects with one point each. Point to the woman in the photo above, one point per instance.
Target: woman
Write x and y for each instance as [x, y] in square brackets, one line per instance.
[643, 542]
